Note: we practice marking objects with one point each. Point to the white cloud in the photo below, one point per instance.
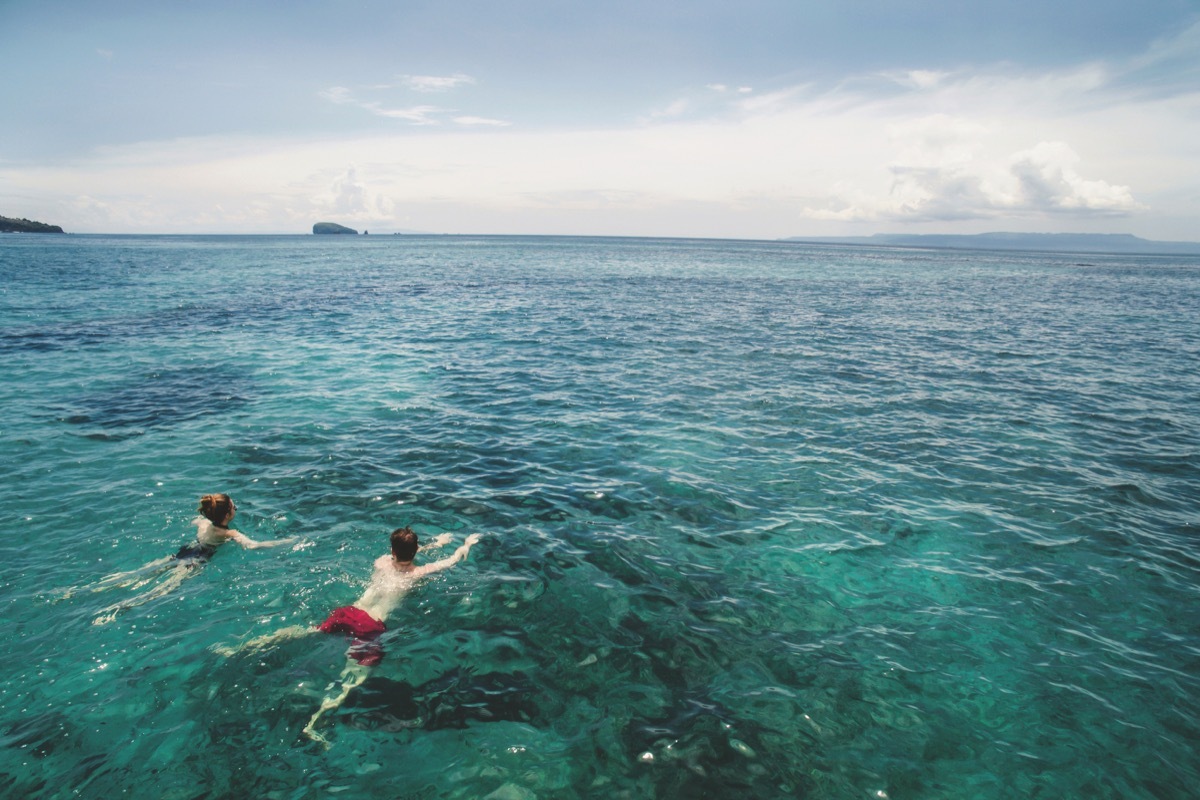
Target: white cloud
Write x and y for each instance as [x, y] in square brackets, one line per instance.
[337, 94]
[349, 196]
[1048, 182]
[674, 109]
[917, 78]
[418, 115]
[482, 121]
[721, 88]
[945, 173]
[777, 101]
[1182, 48]
[435, 83]
[718, 99]
[936, 140]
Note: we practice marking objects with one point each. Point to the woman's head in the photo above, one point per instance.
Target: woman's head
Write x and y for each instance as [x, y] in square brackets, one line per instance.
[217, 508]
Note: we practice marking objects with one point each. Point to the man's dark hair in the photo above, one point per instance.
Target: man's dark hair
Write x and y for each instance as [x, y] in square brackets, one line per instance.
[404, 544]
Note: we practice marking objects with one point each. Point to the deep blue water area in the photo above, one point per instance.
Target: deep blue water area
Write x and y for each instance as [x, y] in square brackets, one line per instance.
[759, 519]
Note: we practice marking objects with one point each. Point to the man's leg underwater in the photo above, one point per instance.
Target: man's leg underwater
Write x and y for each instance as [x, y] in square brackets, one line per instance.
[352, 677]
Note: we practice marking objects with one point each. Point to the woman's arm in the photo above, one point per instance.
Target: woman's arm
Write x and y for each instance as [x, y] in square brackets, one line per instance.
[248, 543]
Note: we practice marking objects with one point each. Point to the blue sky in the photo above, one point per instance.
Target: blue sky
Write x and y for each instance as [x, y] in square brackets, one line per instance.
[757, 119]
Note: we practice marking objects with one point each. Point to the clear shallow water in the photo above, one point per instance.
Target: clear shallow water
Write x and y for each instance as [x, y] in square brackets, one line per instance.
[761, 519]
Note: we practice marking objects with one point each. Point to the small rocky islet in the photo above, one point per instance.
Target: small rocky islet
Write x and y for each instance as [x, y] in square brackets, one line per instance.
[333, 227]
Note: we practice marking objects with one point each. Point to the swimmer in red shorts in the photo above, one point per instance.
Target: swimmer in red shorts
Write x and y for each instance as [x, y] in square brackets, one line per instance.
[365, 619]
[365, 629]
[392, 578]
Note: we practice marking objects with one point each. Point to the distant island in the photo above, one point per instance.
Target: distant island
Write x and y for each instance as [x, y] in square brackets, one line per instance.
[1116, 243]
[8, 225]
[333, 227]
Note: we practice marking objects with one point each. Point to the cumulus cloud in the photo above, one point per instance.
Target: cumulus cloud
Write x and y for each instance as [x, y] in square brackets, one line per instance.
[349, 196]
[1047, 181]
[1010, 149]
[1038, 182]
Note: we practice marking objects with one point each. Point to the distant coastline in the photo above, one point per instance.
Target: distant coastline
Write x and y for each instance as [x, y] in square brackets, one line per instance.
[9, 225]
[1114, 243]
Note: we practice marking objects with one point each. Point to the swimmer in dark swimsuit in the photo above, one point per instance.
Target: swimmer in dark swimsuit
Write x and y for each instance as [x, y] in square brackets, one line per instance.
[195, 554]
[365, 619]
[212, 530]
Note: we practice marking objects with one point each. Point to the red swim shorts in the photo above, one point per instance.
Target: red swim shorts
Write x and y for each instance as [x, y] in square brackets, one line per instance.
[363, 627]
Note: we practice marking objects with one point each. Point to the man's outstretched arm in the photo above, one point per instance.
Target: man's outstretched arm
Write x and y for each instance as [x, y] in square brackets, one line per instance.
[455, 557]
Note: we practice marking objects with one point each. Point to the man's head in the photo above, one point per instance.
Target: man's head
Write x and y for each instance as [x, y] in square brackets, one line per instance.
[404, 544]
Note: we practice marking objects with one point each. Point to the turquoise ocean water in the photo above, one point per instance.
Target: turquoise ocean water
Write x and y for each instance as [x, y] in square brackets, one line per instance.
[760, 519]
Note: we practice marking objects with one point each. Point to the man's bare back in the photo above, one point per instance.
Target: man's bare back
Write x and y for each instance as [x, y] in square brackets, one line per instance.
[391, 579]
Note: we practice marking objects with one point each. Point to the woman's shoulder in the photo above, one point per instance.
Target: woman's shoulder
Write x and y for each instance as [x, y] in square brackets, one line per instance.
[208, 533]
